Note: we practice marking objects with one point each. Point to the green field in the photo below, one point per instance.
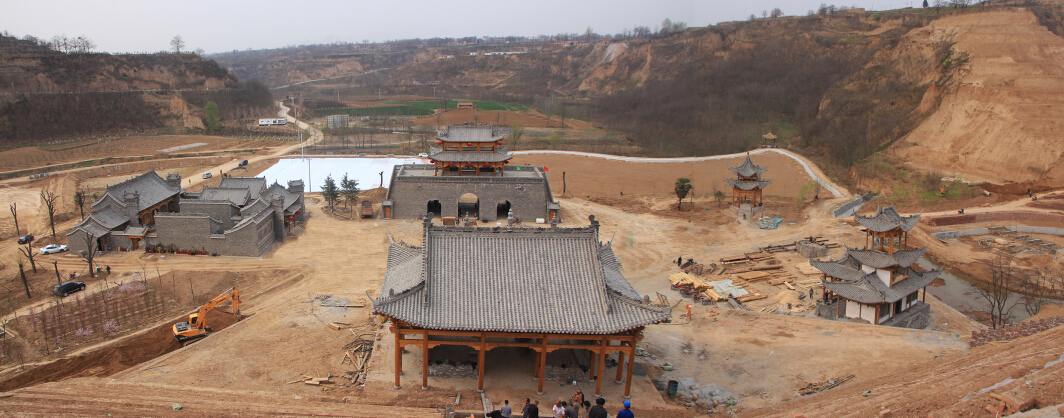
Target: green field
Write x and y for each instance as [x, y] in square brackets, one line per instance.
[377, 111]
[481, 105]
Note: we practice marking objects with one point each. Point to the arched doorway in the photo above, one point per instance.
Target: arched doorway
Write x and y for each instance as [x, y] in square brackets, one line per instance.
[502, 209]
[469, 205]
[435, 208]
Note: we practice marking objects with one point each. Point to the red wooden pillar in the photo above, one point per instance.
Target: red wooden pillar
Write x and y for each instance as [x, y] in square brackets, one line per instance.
[398, 356]
[535, 366]
[601, 363]
[631, 366]
[480, 365]
[620, 364]
[425, 360]
[542, 364]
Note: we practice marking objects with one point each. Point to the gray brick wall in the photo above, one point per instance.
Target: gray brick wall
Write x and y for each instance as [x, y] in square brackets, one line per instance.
[528, 197]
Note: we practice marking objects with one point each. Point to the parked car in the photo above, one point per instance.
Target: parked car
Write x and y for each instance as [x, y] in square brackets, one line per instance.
[54, 248]
[207, 175]
[67, 288]
[243, 163]
[25, 239]
[423, 155]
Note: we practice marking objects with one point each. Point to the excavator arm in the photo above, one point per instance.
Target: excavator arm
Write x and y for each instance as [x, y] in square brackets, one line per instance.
[196, 326]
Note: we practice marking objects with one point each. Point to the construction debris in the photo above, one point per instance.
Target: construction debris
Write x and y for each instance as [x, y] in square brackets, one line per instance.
[825, 385]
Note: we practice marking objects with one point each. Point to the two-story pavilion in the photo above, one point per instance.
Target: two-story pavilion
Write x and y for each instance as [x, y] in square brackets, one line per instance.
[469, 151]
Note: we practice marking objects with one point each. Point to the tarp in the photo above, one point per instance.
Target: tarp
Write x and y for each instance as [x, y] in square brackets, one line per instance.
[726, 287]
[766, 222]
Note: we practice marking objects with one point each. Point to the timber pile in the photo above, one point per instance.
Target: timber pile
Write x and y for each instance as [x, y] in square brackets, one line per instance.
[807, 269]
[750, 297]
[825, 385]
[358, 353]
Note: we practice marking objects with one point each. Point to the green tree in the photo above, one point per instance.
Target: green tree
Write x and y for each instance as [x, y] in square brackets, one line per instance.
[349, 190]
[719, 197]
[330, 193]
[683, 187]
[213, 122]
[555, 140]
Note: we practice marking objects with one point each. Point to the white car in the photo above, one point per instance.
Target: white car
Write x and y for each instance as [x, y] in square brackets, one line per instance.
[207, 175]
[49, 249]
[423, 155]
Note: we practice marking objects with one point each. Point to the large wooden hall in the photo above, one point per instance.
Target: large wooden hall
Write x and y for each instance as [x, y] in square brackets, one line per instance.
[541, 289]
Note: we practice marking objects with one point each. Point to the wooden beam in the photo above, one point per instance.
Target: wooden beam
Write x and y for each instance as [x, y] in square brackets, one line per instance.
[620, 365]
[542, 365]
[631, 366]
[398, 358]
[425, 362]
[480, 364]
[626, 336]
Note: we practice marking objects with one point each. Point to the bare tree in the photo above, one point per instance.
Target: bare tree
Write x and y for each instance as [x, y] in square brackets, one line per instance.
[28, 253]
[1038, 288]
[776, 13]
[49, 199]
[177, 44]
[14, 214]
[22, 272]
[79, 201]
[90, 252]
[1003, 277]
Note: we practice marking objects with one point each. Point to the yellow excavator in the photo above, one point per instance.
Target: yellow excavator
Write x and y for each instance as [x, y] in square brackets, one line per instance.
[196, 327]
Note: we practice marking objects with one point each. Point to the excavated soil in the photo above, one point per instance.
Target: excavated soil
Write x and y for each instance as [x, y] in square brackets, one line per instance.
[113, 359]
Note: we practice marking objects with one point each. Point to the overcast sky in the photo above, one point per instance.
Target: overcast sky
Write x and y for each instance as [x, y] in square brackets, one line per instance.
[225, 25]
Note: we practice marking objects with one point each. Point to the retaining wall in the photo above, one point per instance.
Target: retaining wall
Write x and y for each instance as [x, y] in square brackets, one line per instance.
[1013, 331]
[996, 216]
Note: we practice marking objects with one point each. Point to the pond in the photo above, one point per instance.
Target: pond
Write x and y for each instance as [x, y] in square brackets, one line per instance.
[959, 293]
[366, 170]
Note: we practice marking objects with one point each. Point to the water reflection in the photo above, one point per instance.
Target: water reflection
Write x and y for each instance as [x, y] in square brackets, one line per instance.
[959, 293]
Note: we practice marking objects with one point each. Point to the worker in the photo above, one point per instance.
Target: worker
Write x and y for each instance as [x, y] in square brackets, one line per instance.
[108, 270]
[626, 412]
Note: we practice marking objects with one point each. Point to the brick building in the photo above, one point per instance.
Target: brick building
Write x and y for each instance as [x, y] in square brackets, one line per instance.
[469, 176]
[242, 216]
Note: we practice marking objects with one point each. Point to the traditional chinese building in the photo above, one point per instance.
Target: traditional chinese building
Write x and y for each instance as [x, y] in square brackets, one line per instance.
[542, 289]
[747, 185]
[469, 177]
[880, 283]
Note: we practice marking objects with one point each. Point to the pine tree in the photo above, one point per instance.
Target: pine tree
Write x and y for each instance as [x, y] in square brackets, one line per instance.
[330, 193]
[349, 190]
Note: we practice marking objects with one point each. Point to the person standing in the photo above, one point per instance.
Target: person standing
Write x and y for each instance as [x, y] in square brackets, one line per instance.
[569, 411]
[626, 412]
[558, 409]
[532, 410]
[578, 399]
[587, 408]
[598, 411]
[505, 410]
[524, 410]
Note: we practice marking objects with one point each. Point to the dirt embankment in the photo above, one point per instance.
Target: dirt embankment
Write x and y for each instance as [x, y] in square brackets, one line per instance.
[113, 359]
[999, 119]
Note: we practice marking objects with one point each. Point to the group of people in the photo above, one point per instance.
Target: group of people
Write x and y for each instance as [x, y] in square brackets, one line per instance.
[564, 409]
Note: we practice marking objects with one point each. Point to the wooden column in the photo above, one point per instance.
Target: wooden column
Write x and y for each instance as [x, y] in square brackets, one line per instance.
[601, 363]
[425, 360]
[631, 366]
[620, 364]
[593, 361]
[480, 365]
[535, 366]
[542, 364]
[398, 356]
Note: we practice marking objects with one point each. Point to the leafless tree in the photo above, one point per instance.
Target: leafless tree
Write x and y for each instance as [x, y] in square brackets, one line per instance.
[995, 291]
[87, 255]
[49, 198]
[28, 253]
[1039, 287]
[177, 44]
[22, 272]
[14, 214]
[79, 201]
[776, 13]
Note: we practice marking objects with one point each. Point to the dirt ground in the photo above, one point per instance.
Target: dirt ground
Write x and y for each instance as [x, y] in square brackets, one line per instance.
[758, 358]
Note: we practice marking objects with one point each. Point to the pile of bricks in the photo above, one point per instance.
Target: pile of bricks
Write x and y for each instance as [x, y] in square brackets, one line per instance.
[1013, 331]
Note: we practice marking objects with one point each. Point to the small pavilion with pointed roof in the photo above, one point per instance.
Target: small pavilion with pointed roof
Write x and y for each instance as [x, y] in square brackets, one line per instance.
[880, 283]
[747, 184]
[499, 287]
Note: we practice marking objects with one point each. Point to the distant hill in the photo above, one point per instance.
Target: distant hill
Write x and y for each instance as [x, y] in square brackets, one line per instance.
[49, 94]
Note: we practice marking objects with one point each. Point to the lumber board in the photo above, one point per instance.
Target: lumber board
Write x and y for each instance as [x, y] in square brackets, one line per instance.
[750, 297]
[762, 268]
[752, 275]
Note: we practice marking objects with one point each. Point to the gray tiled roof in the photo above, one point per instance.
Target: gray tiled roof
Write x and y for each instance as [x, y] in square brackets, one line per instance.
[255, 185]
[747, 185]
[469, 134]
[748, 169]
[870, 289]
[256, 206]
[151, 188]
[611, 270]
[886, 219]
[289, 198]
[511, 279]
[239, 196]
[108, 217]
[844, 269]
[470, 156]
[906, 258]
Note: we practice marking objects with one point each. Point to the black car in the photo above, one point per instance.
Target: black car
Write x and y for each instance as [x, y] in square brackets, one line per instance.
[243, 163]
[25, 239]
[67, 288]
